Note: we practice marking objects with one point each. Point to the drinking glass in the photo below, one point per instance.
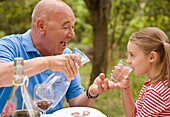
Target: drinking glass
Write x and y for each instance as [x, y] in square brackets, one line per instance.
[43, 96]
[121, 71]
[84, 59]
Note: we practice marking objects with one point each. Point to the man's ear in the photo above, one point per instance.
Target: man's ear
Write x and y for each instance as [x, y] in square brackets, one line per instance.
[153, 56]
[41, 26]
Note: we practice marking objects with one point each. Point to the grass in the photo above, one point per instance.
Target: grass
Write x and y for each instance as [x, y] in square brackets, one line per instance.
[110, 103]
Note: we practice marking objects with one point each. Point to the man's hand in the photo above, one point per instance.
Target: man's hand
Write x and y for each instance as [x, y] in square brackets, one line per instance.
[65, 63]
[101, 85]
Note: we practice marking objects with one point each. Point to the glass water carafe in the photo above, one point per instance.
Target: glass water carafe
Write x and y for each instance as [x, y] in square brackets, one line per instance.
[60, 82]
[20, 103]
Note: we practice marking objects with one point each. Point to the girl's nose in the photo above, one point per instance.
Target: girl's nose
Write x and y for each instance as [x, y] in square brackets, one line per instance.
[128, 60]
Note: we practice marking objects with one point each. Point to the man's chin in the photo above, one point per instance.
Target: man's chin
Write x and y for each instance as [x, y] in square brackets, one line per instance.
[59, 53]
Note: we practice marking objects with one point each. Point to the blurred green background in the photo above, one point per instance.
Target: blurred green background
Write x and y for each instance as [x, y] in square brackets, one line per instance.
[125, 18]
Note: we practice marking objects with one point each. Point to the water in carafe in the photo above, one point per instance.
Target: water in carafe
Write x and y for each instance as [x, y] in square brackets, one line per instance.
[59, 80]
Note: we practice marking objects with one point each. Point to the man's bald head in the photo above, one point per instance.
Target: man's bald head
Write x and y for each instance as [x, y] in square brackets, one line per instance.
[52, 26]
[46, 7]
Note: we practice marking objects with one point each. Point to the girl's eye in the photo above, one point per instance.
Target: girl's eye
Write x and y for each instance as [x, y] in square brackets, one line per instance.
[131, 55]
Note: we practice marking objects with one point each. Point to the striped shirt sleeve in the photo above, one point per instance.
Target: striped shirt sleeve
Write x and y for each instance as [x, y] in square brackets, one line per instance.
[152, 100]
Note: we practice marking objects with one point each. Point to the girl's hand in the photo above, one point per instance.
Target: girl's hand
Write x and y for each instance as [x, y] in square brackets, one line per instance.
[125, 83]
[120, 76]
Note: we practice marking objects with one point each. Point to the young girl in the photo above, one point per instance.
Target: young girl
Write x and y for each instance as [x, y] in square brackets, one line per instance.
[149, 53]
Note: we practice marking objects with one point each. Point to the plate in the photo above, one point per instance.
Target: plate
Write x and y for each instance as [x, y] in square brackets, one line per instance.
[79, 111]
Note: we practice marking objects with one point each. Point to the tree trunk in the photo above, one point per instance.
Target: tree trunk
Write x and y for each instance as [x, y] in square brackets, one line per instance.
[99, 11]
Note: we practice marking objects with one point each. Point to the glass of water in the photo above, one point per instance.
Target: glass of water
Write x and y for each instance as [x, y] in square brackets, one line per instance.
[121, 71]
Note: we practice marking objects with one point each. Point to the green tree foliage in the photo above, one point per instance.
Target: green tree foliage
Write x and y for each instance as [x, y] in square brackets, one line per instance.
[16, 15]
[157, 14]
[122, 13]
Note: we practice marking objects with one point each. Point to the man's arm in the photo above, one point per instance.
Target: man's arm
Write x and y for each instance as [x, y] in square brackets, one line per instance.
[6, 74]
[100, 85]
[37, 65]
[81, 100]
[31, 67]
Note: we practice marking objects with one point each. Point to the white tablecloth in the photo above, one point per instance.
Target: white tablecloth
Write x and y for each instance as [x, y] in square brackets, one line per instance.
[67, 112]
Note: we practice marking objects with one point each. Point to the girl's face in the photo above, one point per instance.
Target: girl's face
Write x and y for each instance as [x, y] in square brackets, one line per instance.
[138, 60]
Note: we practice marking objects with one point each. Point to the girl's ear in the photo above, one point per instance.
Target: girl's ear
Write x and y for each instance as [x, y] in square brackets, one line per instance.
[153, 56]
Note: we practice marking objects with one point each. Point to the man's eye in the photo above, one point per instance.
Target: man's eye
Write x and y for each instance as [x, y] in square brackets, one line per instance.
[65, 27]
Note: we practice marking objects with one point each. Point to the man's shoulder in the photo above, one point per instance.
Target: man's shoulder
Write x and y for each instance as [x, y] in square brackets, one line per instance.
[14, 38]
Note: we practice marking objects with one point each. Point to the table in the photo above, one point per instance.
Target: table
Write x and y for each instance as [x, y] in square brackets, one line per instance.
[80, 111]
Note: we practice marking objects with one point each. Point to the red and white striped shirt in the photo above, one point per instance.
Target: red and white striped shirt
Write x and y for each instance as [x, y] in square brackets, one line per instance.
[154, 100]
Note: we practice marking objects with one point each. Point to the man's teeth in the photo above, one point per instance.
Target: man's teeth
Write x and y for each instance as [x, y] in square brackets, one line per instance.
[63, 43]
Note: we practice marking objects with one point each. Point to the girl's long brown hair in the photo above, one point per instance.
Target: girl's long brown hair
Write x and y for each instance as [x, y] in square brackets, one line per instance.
[153, 39]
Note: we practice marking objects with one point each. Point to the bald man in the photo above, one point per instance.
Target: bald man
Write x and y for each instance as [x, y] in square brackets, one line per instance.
[44, 50]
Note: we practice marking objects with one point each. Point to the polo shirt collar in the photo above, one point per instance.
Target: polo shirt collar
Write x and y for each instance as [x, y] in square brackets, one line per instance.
[27, 42]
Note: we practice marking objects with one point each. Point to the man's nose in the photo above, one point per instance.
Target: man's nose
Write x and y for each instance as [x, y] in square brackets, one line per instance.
[71, 33]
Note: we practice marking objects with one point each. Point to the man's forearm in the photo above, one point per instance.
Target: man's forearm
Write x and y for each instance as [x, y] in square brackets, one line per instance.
[31, 67]
[6, 74]
[35, 66]
[81, 100]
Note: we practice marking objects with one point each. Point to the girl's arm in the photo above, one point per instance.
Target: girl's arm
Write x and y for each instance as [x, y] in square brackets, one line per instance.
[128, 103]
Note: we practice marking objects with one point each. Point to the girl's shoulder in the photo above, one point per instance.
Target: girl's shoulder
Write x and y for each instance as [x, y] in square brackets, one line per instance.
[159, 84]
[161, 88]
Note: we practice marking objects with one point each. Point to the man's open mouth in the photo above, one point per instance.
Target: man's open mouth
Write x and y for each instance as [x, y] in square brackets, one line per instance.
[63, 43]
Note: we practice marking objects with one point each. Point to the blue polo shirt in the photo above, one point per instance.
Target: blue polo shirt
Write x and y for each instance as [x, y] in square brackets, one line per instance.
[21, 45]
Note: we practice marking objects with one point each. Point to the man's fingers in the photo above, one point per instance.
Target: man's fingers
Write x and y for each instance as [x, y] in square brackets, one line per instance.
[76, 59]
[106, 85]
[113, 85]
[72, 69]
[69, 67]
[98, 81]
[102, 76]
